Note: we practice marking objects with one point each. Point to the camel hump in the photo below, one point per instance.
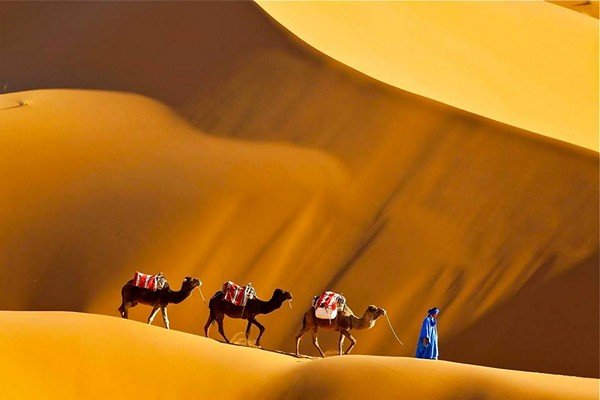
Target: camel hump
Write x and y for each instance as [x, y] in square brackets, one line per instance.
[329, 299]
[328, 304]
[150, 282]
[238, 295]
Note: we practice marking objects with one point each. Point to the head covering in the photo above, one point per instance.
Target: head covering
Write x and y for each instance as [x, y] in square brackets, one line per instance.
[433, 311]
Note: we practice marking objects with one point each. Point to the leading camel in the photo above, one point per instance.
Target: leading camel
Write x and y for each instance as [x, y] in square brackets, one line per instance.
[158, 299]
[343, 323]
[220, 307]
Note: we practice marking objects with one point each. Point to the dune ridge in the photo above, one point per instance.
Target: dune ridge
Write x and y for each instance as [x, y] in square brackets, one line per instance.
[268, 213]
[531, 65]
[288, 170]
[154, 362]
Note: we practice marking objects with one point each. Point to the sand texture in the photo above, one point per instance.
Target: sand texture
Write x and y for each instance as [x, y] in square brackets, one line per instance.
[65, 355]
[204, 139]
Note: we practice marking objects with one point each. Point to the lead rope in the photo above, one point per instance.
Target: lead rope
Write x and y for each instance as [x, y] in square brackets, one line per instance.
[392, 328]
[202, 295]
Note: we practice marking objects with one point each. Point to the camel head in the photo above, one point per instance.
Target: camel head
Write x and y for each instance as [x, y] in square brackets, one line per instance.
[375, 312]
[190, 283]
[281, 295]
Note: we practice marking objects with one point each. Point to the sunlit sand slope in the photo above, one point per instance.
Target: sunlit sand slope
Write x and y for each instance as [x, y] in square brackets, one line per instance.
[391, 198]
[528, 64]
[531, 64]
[68, 355]
[100, 184]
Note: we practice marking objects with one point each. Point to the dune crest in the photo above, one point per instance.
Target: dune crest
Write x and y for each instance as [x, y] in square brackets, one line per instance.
[153, 362]
[531, 65]
[140, 189]
[298, 173]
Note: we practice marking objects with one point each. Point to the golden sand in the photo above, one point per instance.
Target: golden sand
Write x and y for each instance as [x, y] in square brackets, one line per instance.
[69, 355]
[101, 184]
[211, 142]
[528, 64]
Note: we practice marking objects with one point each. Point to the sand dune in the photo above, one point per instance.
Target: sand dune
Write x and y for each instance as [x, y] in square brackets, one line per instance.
[153, 362]
[140, 188]
[532, 65]
[268, 162]
[590, 8]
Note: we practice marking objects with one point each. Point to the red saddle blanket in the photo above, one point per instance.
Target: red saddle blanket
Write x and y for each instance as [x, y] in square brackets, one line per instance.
[327, 300]
[236, 294]
[326, 305]
[151, 282]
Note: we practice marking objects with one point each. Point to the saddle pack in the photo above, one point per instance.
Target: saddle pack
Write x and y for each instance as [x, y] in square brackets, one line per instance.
[150, 282]
[327, 305]
[238, 295]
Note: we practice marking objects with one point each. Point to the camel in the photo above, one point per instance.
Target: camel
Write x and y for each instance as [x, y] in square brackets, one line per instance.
[158, 299]
[219, 308]
[343, 323]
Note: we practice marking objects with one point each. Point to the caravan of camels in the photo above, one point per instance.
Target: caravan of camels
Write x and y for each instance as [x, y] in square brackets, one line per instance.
[328, 311]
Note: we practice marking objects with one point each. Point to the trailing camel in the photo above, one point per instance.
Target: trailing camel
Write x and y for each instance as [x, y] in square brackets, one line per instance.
[158, 299]
[219, 308]
[343, 323]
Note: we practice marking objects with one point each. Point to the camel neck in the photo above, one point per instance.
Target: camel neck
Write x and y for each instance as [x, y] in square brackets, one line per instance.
[265, 307]
[179, 296]
[365, 322]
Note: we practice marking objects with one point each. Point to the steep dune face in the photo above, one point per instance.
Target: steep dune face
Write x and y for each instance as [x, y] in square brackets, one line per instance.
[459, 211]
[99, 184]
[168, 51]
[395, 200]
[67, 355]
[532, 65]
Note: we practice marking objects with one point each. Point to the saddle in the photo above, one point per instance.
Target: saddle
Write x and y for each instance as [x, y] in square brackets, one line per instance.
[150, 282]
[327, 305]
[238, 295]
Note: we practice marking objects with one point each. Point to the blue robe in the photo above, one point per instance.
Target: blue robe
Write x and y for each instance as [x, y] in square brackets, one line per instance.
[428, 330]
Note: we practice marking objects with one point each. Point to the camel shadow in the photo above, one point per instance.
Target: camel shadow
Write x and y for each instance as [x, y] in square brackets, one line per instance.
[252, 346]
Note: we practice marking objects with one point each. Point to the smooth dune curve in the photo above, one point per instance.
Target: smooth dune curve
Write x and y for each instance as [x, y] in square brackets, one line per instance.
[70, 355]
[528, 64]
[125, 184]
[346, 184]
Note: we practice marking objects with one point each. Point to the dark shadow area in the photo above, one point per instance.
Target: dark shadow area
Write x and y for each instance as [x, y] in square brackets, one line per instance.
[555, 325]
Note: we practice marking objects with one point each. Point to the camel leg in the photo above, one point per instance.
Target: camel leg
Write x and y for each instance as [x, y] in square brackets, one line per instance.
[211, 318]
[352, 341]
[316, 342]
[152, 315]
[124, 310]
[298, 337]
[248, 332]
[261, 328]
[221, 331]
[163, 311]
[341, 343]
[303, 330]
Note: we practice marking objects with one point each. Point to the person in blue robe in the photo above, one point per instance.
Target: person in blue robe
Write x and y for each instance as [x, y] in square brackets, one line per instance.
[427, 346]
